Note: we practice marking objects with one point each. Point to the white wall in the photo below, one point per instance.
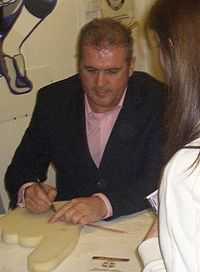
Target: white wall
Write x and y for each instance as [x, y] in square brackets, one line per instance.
[11, 133]
[50, 56]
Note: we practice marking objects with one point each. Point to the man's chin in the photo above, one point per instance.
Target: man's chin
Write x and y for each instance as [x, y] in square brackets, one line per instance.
[103, 107]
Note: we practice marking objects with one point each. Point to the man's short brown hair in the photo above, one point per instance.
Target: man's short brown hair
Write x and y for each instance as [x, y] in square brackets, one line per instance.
[105, 32]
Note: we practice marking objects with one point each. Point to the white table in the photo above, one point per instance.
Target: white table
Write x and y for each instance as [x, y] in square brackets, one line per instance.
[93, 242]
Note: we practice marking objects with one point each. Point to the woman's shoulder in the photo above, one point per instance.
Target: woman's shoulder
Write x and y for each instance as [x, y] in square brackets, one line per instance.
[186, 156]
[184, 167]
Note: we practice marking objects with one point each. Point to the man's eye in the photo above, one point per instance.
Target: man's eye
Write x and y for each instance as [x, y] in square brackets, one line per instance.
[112, 71]
[90, 70]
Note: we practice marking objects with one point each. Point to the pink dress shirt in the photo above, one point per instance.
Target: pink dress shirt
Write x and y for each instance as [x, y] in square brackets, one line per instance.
[98, 128]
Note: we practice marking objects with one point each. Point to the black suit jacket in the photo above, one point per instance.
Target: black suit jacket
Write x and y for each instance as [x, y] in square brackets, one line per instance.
[131, 163]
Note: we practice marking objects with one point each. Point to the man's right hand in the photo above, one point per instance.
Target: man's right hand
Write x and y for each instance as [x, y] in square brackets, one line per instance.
[39, 197]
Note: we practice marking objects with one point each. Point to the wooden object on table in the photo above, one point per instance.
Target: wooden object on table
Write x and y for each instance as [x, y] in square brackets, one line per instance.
[52, 242]
[92, 242]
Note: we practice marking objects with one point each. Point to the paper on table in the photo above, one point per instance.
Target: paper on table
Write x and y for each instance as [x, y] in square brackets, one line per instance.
[108, 264]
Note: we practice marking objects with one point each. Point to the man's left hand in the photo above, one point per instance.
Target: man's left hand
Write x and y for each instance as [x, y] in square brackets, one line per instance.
[82, 210]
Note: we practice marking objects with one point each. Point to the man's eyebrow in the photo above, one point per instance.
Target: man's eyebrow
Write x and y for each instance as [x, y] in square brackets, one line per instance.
[113, 68]
[90, 66]
[106, 69]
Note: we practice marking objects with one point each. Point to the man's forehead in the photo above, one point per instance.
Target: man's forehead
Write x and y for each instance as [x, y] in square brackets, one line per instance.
[103, 46]
[106, 57]
[103, 51]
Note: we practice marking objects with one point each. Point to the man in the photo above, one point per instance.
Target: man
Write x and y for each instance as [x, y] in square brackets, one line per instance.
[101, 129]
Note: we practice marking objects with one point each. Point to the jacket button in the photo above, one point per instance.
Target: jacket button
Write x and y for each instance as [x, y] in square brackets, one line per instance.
[101, 183]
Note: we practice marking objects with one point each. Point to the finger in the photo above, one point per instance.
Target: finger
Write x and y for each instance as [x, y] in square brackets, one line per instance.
[36, 206]
[42, 194]
[51, 193]
[35, 199]
[79, 213]
[73, 215]
[32, 206]
[36, 193]
[43, 190]
[60, 214]
[84, 220]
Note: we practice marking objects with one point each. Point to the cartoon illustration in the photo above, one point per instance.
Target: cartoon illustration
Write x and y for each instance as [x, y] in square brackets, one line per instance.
[115, 4]
[121, 10]
[13, 68]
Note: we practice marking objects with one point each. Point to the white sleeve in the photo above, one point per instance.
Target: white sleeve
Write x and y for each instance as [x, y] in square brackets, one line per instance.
[149, 252]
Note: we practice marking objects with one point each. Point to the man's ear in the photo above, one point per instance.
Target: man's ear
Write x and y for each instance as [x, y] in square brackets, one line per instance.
[132, 66]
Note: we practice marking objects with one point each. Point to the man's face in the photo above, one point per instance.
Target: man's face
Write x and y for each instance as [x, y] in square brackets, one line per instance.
[104, 74]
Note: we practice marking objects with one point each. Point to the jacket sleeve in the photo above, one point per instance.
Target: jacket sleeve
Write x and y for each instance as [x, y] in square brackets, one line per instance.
[31, 158]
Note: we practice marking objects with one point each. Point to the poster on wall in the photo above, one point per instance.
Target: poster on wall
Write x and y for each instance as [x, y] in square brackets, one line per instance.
[121, 10]
[13, 67]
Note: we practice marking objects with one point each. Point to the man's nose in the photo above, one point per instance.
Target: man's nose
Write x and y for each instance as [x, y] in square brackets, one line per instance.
[100, 79]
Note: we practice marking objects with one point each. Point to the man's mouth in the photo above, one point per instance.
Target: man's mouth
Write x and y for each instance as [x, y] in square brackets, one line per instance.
[102, 93]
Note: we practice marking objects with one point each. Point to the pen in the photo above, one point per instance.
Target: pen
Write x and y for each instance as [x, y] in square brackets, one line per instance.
[51, 207]
[106, 228]
[112, 259]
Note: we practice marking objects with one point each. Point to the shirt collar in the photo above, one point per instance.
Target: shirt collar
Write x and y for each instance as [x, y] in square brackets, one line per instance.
[88, 109]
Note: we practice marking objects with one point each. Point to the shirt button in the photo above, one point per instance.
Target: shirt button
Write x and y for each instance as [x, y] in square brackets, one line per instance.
[101, 183]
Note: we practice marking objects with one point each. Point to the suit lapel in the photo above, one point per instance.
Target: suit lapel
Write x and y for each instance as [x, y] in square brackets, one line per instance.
[82, 137]
[127, 125]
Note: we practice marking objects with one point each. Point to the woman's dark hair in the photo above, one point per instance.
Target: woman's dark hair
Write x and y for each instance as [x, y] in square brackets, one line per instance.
[177, 25]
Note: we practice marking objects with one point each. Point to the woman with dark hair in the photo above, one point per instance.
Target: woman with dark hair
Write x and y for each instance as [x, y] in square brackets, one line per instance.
[177, 24]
